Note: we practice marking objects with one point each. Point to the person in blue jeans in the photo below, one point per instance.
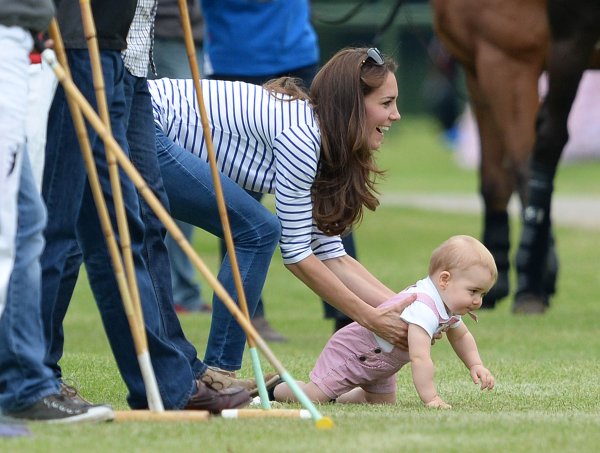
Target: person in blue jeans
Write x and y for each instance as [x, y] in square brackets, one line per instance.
[73, 220]
[28, 389]
[275, 139]
[277, 40]
[171, 60]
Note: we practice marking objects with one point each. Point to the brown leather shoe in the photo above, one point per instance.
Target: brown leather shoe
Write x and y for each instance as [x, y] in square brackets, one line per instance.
[214, 401]
[219, 379]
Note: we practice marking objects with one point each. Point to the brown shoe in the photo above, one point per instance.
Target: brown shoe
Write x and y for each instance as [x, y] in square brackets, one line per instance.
[72, 393]
[214, 401]
[222, 379]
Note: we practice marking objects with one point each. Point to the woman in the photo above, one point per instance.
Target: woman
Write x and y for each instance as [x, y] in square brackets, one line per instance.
[314, 153]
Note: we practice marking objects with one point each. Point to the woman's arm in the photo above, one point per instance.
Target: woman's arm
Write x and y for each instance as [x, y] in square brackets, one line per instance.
[359, 280]
[355, 292]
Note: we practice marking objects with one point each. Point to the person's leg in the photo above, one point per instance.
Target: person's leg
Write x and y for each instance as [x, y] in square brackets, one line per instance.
[42, 85]
[260, 309]
[23, 377]
[171, 60]
[55, 339]
[360, 396]
[62, 188]
[28, 389]
[187, 294]
[259, 320]
[13, 112]
[283, 393]
[142, 151]
[172, 369]
[256, 232]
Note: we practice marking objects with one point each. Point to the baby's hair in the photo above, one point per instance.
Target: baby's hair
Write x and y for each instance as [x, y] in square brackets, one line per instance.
[461, 252]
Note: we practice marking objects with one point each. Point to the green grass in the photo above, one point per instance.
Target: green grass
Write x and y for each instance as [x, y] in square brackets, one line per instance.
[547, 368]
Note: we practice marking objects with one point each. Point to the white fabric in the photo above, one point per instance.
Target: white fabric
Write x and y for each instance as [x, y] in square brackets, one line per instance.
[421, 314]
[42, 85]
[15, 44]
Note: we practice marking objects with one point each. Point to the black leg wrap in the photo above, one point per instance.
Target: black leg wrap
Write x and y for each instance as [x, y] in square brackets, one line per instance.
[496, 239]
[533, 253]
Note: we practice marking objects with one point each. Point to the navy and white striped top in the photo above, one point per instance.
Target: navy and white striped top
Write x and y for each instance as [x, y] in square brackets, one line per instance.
[264, 143]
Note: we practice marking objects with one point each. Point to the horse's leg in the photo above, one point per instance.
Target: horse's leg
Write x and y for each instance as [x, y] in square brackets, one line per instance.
[574, 34]
[508, 88]
[492, 175]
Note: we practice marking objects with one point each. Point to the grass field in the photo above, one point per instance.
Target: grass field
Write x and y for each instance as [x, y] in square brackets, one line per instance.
[547, 368]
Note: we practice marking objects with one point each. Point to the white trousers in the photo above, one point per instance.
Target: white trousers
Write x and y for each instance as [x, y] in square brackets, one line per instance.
[15, 45]
[42, 85]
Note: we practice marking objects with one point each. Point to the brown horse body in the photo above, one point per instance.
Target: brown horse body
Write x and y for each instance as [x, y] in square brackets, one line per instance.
[502, 46]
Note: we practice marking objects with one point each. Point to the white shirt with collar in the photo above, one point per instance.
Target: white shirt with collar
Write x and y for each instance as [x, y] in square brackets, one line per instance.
[422, 314]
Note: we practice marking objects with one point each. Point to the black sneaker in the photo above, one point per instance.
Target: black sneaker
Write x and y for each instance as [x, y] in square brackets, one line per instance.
[58, 408]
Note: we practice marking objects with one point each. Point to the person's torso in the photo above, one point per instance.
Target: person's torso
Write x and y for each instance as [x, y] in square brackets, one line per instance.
[112, 19]
[245, 122]
[254, 38]
[32, 15]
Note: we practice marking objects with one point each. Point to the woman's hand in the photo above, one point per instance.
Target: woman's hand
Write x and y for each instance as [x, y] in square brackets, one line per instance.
[388, 324]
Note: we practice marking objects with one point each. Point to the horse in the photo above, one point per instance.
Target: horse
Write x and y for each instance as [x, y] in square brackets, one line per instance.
[503, 47]
[574, 33]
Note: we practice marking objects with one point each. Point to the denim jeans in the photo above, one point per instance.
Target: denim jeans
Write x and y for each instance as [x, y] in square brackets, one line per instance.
[142, 152]
[186, 288]
[170, 59]
[255, 232]
[73, 218]
[23, 377]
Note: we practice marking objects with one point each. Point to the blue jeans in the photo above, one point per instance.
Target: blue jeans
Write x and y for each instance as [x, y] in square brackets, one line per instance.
[170, 59]
[255, 231]
[73, 218]
[142, 152]
[24, 379]
[186, 289]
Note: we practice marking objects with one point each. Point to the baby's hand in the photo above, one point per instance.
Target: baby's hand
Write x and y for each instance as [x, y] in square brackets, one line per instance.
[481, 375]
[438, 403]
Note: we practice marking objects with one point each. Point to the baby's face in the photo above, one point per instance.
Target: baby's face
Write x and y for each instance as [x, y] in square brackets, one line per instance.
[464, 289]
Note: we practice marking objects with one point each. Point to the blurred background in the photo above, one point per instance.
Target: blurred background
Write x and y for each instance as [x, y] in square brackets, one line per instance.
[430, 81]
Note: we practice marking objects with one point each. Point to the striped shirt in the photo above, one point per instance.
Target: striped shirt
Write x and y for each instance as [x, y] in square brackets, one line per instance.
[264, 143]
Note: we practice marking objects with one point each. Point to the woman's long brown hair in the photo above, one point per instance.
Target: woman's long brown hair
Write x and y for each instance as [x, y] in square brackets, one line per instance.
[345, 181]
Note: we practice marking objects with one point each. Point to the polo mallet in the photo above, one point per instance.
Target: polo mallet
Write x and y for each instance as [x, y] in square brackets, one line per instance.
[89, 29]
[137, 330]
[191, 53]
[49, 57]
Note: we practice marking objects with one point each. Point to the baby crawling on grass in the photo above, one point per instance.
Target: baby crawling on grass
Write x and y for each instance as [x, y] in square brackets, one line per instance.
[357, 366]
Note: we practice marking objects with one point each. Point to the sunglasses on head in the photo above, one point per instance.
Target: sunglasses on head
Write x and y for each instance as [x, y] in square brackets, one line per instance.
[375, 55]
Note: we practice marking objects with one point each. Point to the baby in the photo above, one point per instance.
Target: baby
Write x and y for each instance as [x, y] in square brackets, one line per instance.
[356, 366]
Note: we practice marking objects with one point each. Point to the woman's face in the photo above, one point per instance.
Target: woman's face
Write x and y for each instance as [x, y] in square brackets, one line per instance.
[381, 110]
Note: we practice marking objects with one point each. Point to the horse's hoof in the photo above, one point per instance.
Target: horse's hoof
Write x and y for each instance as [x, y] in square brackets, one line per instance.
[530, 304]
